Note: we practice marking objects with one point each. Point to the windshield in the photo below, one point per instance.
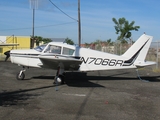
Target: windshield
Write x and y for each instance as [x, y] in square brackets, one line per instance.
[40, 48]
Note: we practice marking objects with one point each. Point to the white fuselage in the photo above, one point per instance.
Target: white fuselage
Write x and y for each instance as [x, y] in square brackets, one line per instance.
[91, 59]
[70, 57]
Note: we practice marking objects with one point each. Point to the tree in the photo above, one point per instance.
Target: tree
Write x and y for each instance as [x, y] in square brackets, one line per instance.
[124, 28]
[46, 40]
[98, 45]
[69, 41]
[109, 42]
[87, 45]
[39, 39]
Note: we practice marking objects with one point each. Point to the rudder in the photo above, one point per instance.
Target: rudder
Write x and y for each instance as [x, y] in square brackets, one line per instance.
[139, 49]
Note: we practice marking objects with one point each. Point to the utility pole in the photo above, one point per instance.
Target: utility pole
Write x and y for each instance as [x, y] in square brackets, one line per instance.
[33, 5]
[79, 25]
[32, 40]
[33, 23]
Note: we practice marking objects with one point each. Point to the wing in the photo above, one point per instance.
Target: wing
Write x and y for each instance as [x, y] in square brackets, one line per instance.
[54, 61]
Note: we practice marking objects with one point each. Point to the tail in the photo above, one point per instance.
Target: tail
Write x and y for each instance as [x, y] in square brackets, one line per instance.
[137, 52]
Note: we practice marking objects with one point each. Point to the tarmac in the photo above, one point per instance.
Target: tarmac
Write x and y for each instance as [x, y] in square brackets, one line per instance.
[100, 95]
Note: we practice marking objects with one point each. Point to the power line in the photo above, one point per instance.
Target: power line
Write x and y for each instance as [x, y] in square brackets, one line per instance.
[38, 26]
[63, 11]
[55, 25]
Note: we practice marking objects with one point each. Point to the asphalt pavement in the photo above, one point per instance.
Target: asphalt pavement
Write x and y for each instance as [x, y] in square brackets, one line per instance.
[100, 95]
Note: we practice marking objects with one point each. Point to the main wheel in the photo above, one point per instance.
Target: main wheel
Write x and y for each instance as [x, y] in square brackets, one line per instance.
[60, 80]
[20, 76]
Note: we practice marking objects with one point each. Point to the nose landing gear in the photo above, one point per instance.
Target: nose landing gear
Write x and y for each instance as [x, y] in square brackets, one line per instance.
[21, 75]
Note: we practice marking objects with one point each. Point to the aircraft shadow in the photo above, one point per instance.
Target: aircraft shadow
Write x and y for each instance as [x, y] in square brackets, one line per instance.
[82, 80]
[151, 79]
[43, 77]
[76, 79]
[110, 78]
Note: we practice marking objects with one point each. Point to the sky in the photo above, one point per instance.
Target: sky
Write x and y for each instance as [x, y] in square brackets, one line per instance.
[16, 18]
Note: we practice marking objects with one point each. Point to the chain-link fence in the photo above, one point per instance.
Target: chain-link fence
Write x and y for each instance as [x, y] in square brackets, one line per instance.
[154, 53]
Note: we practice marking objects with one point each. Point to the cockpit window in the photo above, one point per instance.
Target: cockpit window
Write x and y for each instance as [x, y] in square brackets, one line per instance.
[67, 51]
[40, 48]
[53, 49]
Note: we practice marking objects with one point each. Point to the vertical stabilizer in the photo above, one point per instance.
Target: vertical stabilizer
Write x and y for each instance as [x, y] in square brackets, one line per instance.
[139, 50]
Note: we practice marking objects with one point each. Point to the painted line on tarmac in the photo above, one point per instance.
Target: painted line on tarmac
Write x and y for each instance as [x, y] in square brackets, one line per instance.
[79, 95]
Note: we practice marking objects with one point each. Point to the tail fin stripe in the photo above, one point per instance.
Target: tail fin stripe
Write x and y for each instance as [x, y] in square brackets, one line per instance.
[134, 57]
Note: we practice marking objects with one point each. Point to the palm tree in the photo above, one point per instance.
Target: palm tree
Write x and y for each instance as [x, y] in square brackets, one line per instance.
[124, 28]
[39, 39]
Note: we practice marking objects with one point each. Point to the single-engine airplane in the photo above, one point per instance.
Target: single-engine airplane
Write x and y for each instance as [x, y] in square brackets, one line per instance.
[63, 57]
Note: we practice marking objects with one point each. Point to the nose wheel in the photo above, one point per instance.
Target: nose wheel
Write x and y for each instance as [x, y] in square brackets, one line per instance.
[21, 75]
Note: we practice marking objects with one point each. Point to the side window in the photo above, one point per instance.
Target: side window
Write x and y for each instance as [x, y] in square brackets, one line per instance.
[67, 51]
[53, 49]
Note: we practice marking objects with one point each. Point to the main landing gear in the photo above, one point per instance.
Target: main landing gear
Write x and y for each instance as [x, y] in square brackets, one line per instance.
[59, 78]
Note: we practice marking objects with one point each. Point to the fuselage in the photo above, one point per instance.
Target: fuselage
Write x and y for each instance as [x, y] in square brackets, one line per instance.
[91, 59]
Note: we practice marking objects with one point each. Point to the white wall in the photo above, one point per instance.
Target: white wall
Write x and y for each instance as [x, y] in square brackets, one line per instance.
[2, 39]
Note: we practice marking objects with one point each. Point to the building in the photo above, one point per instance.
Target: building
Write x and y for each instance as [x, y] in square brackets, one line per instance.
[13, 42]
[19, 42]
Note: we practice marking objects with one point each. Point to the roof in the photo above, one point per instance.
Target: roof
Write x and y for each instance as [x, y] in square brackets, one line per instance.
[58, 39]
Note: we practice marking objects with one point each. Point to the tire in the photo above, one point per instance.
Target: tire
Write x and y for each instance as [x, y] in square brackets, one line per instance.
[20, 77]
[60, 79]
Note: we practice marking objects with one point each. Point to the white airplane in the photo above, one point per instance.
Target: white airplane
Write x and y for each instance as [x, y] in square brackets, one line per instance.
[63, 57]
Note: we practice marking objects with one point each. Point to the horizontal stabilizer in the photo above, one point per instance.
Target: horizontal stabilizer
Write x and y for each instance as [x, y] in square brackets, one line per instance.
[143, 64]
